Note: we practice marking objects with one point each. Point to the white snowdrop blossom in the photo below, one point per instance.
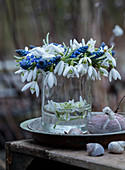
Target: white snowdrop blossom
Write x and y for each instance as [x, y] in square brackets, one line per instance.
[83, 65]
[108, 55]
[74, 44]
[27, 75]
[24, 74]
[54, 49]
[85, 60]
[117, 31]
[91, 44]
[19, 71]
[105, 62]
[37, 51]
[114, 74]
[82, 68]
[99, 75]
[47, 52]
[40, 51]
[104, 48]
[59, 68]
[26, 48]
[70, 71]
[103, 71]
[94, 75]
[32, 74]
[92, 72]
[50, 80]
[33, 87]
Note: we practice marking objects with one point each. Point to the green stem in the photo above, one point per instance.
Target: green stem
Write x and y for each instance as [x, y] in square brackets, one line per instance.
[100, 58]
[51, 68]
[56, 124]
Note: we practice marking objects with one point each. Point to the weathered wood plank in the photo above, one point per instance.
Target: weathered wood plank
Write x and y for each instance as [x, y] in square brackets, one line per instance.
[77, 158]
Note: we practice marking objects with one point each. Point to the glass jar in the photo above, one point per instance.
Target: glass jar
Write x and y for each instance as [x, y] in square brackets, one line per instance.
[66, 105]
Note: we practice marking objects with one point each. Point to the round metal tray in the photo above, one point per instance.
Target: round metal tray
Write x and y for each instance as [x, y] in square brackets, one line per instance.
[68, 141]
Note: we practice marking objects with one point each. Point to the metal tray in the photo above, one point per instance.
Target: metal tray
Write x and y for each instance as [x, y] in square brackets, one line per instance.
[68, 141]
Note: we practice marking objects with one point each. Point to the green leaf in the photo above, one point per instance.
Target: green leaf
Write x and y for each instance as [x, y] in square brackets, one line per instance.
[64, 45]
[44, 42]
[19, 58]
[47, 38]
[70, 53]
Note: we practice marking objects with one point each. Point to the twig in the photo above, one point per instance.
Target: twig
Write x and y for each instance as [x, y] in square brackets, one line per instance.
[116, 111]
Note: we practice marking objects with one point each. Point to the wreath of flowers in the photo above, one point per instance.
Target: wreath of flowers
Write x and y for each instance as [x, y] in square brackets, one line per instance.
[75, 60]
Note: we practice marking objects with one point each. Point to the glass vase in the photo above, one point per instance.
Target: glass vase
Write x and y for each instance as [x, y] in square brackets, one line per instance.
[66, 105]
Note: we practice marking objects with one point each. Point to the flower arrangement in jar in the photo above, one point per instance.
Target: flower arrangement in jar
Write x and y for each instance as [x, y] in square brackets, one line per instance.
[67, 68]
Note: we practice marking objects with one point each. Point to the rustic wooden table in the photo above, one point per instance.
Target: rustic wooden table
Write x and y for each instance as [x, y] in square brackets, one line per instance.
[27, 154]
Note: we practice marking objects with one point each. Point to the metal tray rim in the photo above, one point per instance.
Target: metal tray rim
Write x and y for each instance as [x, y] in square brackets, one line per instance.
[24, 126]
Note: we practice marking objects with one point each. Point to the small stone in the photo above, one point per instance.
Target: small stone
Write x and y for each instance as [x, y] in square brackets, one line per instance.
[116, 147]
[75, 131]
[95, 149]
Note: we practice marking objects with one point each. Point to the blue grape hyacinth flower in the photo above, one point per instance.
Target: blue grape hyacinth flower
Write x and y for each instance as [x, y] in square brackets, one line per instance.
[22, 52]
[25, 64]
[79, 51]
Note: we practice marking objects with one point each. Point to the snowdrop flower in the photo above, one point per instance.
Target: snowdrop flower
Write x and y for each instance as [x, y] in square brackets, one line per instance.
[83, 42]
[91, 44]
[92, 72]
[47, 56]
[33, 87]
[47, 52]
[21, 70]
[94, 76]
[99, 75]
[27, 75]
[51, 106]
[70, 71]
[74, 44]
[114, 74]
[85, 60]
[108, 55]
[24, 74]
[54, 49]
[82, 68]
[26, 48]
[103, 71]
[80, 103]
[50, 80]
[32, 74]
[83, 64]
[105, 63]
[103, 49]
[59, 68]
[37, 51]
[118, 31]
[40, 51]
